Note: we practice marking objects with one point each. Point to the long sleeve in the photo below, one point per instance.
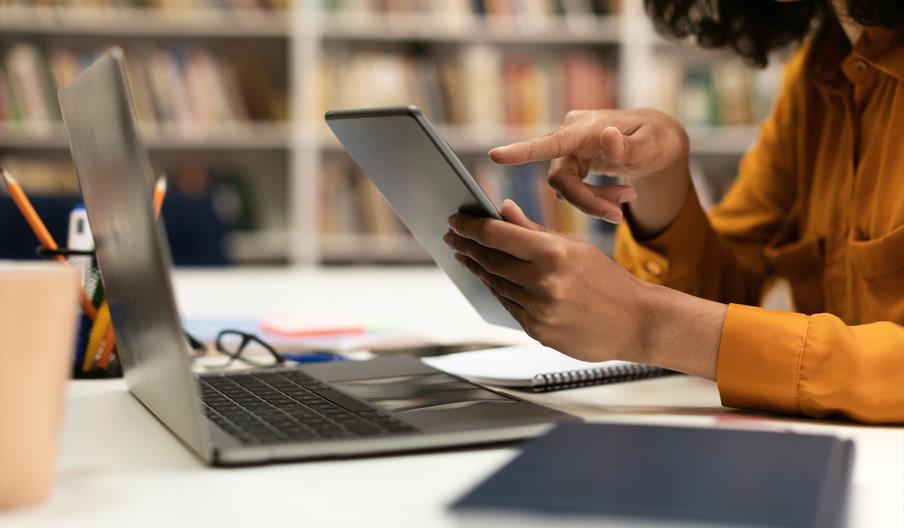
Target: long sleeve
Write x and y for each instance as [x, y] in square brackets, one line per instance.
[797, 211]
[814, 365]
[720, 256]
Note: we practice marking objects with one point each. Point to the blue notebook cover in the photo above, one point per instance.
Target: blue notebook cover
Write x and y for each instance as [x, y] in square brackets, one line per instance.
[666, 475]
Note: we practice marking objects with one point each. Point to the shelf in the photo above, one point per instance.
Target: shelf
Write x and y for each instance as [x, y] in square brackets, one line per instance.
[705, 140]
[721, 140]
[426, 28]
[371, 248]
[171, 137]
[479, 140]
[257, 23]
[273, 246]
[296, 148]
[144, 22]
[257, 247]
[464, 139]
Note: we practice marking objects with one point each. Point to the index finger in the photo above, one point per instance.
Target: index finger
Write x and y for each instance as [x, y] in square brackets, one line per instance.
[525, 244]
[560, 143]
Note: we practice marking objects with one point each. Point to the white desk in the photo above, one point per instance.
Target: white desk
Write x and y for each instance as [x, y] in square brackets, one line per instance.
[120, 467]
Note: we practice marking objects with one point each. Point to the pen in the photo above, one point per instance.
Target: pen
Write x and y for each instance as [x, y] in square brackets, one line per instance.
[40, 230]
[332, 331]
[314, 357]
[79, 239]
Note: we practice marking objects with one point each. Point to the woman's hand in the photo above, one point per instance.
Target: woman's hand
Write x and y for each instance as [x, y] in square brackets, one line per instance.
[570, 296]
[647, 148]
[564, 292]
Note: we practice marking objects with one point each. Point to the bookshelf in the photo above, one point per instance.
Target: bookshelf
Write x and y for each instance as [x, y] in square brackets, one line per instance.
[483, 30]
[284, 159]
[161, 136]
[143, 22]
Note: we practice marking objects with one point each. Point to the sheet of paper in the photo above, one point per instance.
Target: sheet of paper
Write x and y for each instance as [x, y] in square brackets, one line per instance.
[516, 365]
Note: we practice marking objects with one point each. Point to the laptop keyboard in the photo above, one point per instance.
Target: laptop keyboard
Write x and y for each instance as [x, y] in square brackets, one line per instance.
[289, 406]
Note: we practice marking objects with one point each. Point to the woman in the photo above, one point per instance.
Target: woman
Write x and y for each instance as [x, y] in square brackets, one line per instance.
[819, 200]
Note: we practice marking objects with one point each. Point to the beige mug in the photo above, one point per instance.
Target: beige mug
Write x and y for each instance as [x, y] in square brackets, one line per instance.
[38, 319]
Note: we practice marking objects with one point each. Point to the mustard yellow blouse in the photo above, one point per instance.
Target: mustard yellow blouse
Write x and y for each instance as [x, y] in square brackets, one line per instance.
[819, 200]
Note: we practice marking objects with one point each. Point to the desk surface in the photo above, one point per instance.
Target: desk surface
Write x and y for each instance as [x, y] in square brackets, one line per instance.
[119, 465]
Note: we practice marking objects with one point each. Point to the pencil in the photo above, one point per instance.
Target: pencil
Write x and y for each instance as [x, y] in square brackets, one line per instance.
[40, 230]
[109, 346]
[98, 336]
[159, 194]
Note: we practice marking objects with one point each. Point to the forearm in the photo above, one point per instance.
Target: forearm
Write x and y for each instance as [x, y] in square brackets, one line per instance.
[659, 199]
[680, 332]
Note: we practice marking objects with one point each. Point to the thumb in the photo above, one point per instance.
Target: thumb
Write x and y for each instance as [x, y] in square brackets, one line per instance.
[616, 146]
[513, 213]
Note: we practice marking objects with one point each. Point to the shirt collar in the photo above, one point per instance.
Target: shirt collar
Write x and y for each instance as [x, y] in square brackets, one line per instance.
[882, 48]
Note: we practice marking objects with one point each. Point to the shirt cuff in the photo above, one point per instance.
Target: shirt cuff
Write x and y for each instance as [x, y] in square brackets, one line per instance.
[759, 358]
[656, 260]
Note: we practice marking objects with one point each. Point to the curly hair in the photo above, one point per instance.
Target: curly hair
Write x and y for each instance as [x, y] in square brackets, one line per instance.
[754, 28]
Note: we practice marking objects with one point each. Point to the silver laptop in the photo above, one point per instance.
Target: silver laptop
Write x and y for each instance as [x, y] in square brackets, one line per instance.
[326, 410]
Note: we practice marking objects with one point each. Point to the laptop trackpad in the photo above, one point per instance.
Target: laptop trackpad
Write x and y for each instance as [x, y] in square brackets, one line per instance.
[404, 385]
[416, 392]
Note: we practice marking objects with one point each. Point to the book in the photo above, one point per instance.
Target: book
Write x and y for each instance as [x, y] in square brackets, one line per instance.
[722, 93]
[30, 84]
[637, 475]
[538, 368]
[192, 86]
[236, 7]
[481, 88]
[351, 205]
[499, 15]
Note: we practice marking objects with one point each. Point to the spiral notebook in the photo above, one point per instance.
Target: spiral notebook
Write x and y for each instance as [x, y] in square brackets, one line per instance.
[538, 368]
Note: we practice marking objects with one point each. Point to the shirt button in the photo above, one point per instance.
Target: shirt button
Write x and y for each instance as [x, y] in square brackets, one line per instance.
[653, 268]
[860, 66]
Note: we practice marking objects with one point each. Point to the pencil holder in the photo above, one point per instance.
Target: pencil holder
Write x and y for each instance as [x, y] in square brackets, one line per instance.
[95, 351]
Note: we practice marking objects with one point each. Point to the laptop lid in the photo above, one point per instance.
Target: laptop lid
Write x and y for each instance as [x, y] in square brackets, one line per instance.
[114, 173]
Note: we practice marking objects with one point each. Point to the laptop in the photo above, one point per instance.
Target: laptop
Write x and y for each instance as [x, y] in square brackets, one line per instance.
[340, 409]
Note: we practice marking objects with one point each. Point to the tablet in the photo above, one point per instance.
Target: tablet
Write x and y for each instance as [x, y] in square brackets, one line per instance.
[424, 182]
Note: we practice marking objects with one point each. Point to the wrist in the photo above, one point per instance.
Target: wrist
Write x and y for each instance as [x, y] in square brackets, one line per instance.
[679, 331]
[660, 198]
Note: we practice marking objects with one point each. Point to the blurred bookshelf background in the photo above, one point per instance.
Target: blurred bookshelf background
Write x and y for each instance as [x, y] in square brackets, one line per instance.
[230, 96]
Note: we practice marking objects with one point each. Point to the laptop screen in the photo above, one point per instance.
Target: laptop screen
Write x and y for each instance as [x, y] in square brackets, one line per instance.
[114, 173]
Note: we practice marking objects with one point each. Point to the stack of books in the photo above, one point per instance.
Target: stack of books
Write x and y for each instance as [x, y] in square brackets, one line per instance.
[502, 14]
[477, 86]
[727, 93]
[190, 87]
[27, 87]
[352, 205]
[163, 5]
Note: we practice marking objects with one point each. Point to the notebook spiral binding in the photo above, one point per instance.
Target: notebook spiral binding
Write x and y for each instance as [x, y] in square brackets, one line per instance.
[572, 379]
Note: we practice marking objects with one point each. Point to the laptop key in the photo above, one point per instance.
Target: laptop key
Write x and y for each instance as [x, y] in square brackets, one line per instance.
[332, 432]
[279, 407]
[362, 428]
[341, 399]
[302, 434]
